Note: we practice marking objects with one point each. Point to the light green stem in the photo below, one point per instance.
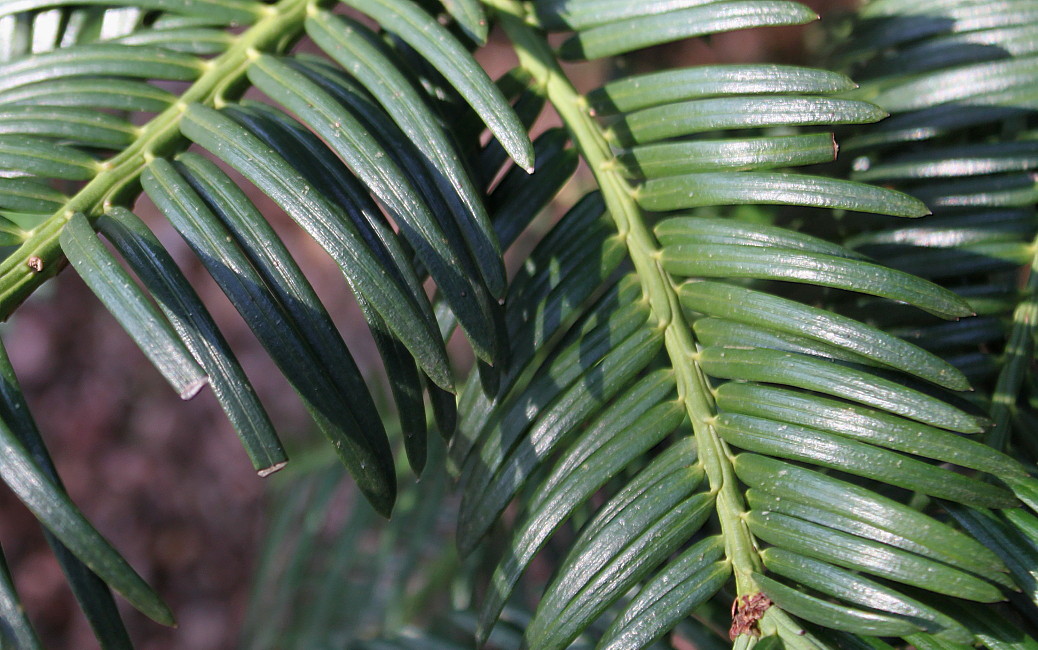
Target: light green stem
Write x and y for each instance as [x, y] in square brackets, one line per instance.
[39, 257]
[536, 57]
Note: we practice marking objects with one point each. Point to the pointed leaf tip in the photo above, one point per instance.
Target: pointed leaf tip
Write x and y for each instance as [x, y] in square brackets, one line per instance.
[194, 388]
[441, 49]
[276, 467]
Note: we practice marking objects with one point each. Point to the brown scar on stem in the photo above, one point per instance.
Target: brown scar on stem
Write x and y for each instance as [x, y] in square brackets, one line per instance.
[35, 263]
[746, 611]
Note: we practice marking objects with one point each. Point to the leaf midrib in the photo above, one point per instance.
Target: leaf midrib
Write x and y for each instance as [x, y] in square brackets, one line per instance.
[536, 56]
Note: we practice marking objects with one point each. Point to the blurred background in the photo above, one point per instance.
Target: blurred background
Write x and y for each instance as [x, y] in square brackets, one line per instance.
[166, 481]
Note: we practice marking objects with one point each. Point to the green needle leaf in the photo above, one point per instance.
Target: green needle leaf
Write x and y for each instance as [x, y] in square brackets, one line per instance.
[861, 591]
[334, 407]
[808, 445]
[290, 190]
[487, 492]
[81, 126]
[761, 309]
[691, 156]
[56, 511]
[109, 60]
[358, 50]
[40, 157]
[737, 188]
[470, 17]
[178, 300]
[812, 373]
[735, 261]
[16, 627]
[636, 92]
[116, 94]
[865, 513]
[128, 304]
[421, 31]
[680, 587]
[837, 617]
[639, 32]
[94, 596]
[871, 557]
[439, 253]
[25, 195]
[230, 11]
[865, 424]
[602, 451]
[696, 116]
[629, 537]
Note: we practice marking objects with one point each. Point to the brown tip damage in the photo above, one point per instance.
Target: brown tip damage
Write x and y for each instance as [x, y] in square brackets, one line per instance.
[267, 471]
[746, 611]
[192, 389]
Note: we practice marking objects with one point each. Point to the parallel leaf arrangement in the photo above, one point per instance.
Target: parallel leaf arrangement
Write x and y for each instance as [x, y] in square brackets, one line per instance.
[726, 398]
[960, 139]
